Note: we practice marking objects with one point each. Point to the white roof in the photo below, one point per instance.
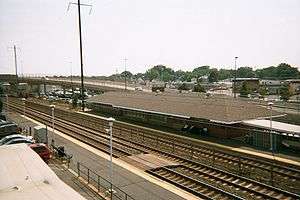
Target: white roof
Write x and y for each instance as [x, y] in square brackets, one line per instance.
[25, 176]
[289, 129]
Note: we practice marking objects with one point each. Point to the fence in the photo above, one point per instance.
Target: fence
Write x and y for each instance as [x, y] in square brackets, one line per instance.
[101, 184]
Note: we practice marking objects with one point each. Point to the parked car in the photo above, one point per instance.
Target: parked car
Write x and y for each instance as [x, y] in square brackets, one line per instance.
[18, 141]
[43, 150]
[14, 136]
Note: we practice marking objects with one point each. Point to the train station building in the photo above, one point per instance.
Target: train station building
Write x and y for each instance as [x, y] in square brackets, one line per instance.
[217, 116]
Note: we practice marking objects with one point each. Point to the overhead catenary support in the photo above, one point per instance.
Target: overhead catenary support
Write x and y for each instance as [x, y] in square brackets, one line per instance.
[80, 48]
[16, 66]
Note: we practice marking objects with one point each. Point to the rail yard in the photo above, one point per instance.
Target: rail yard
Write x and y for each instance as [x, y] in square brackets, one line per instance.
[205, 170]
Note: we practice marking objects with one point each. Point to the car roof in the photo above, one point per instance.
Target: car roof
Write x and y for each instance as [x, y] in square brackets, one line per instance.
[14, 135]
[19, 139]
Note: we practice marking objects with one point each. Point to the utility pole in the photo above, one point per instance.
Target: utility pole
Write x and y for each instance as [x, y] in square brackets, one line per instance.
[16, 66]
[125, 73]
[80, 47]
[234, 83]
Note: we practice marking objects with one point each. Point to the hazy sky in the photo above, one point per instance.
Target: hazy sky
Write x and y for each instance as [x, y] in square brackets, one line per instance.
[181, 34]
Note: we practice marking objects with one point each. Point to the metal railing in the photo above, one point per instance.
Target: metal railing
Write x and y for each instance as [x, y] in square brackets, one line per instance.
[101, 184]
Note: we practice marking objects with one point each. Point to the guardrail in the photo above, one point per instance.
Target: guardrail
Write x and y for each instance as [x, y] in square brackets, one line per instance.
[101, 184]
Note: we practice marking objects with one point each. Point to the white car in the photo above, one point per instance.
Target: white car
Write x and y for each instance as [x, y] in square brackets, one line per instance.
[14, 136]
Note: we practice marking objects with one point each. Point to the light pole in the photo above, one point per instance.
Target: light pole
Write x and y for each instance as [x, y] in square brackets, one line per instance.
[270, 104]
[234, 83]
[110, 123]
[52, 109]
[24, 105]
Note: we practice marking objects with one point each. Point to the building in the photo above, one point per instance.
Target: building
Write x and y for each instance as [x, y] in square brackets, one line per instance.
[294, 85]
[218, 114]
[276, 136]
[272, 86]
[253, 83]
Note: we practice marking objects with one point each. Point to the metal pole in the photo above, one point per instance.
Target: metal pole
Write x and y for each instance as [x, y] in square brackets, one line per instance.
[271, 134]
[16, 68]
[110, 123]
[234, 83]
[72, 79]
[81, 60]
[53, 137]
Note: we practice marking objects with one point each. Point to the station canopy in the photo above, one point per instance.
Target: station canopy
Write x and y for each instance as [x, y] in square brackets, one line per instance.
[216, 108]
[282, 128]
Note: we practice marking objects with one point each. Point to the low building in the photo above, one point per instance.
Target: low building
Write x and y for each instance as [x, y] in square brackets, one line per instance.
[218, 114]
[272, 86]
[253, 83]
[294, 85]
[273, 136]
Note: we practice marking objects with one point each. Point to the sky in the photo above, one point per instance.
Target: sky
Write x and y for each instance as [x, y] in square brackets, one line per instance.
[181, 34]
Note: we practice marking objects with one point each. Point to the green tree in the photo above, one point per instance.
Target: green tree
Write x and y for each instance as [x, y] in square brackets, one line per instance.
[263, 91]
[285, 71]
[160, 72]
[281, 72]
[245, 89]
[199, 88]
[128, 74]
[213, 76]
[225, 74]
[285, 93]
[245, 72]
[179, 75]
[201, 71]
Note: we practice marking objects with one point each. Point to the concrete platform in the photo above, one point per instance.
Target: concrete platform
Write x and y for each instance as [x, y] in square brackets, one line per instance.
[132, 180]
[71, 179]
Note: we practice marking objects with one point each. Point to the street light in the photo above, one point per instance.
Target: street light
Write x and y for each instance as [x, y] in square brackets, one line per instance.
[234, 83]
[270, 104]
[24, 105]
[52, 109]
[110, 123]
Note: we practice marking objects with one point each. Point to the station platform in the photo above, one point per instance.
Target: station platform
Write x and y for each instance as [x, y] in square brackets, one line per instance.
[229, 145]
[132, 180]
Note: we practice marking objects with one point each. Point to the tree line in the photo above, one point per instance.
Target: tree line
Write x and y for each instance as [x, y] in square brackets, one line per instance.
[160, 72]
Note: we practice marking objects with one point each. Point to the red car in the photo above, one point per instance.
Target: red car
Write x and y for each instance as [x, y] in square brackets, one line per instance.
[43, 150]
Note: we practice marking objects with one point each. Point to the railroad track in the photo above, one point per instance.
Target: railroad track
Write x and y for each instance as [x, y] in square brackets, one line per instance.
[257, 190]
[268, 172]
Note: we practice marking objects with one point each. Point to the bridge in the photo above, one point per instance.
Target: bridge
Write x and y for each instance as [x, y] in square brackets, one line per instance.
[102, 86]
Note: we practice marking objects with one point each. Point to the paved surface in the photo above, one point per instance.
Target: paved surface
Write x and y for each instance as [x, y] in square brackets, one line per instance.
[132, 184]
[71, 180]
[127, 180]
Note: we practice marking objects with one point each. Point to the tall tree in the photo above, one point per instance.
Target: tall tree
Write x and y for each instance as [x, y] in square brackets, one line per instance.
[285, 93]
[245, 89]
[245, 72]
[213, 76]
[201, 71]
